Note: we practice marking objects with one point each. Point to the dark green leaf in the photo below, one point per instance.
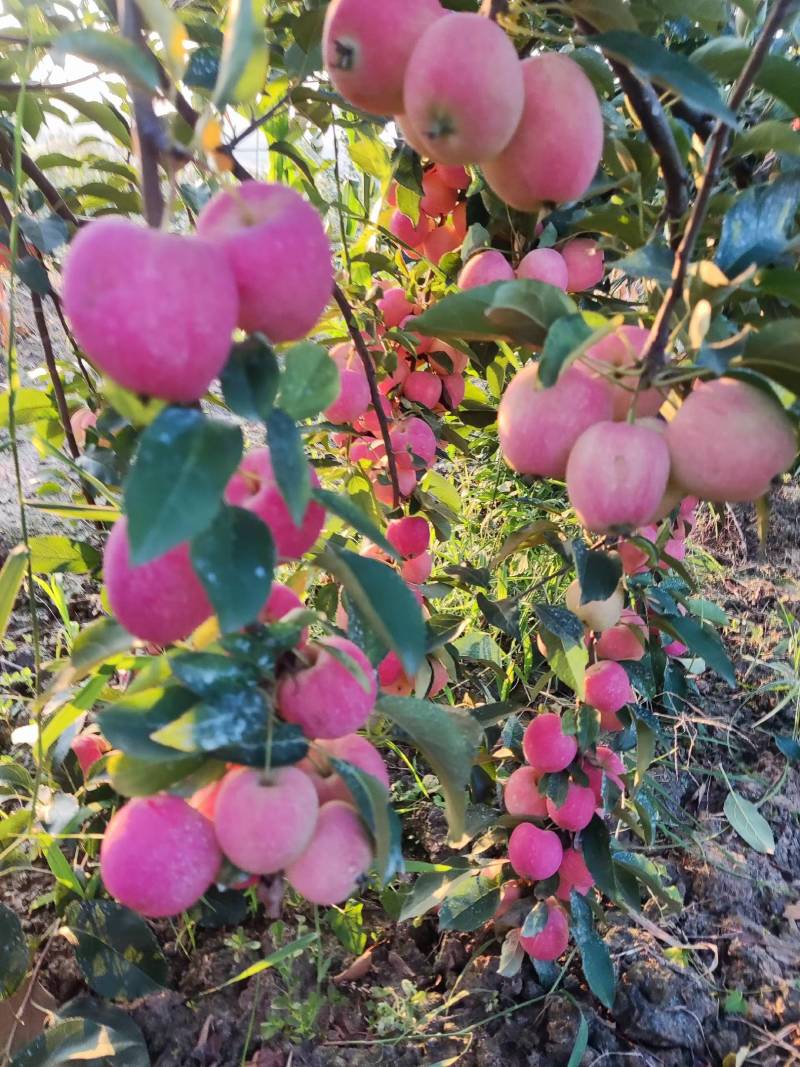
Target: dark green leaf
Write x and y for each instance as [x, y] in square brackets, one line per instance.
[202, 69]
[597, 965]
[449, 739]
[581, 1043]
[504, 614]
[175, 487]
[208, 674]
[346, 509]
[230, 724]
[471, 904]
[769, 136]
[431, 888]
[116, 950]
[289, 463]
[596, 846]
[13, 952]
[648, 56]
[45, 234]
[588, 726]
[241, 38]
[130, 723]
[310, 381]
[234, 558]
[650, 875]
[372, 801]
[535, 920]
[78, 1041]
[598, 573]
[106, 116]
[774, 351]
[31, 273]
[703, 642]
[385, 603]
[653, 260]
[789, 747]
[563, 337]
[250, 379]
[128, 1046]
[561, 623]
[134, 777]
[757, 227]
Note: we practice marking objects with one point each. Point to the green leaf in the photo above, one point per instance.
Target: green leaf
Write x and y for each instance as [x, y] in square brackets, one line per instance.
[384, 601]
[202, 70]
[208, 674]
[430, 889]
[774, 351]
[234, 558]
[561, 623]
[60, 867]
[128, 1048]
[32, 273]
[449, 739]
[310, 381]
[174, 490]
[104, 115]
[82, 1040]
[230, 725]
[469, 905]
[289, 463]
[653, 260]
[789, 747]
[98, 642]
[370, 154]
[524, 310]
[372, 801]
[116, 950]
[134, 777]
[581, 1043]
[11, 577]
[286, 952]
[30, 405]
[703, 642]
[563, 337]
[769, 136]
[650, 875]
[535, 920]
[14, 955]
[782, 282]
[597, 965]
[241, 39]
[111, 52]
[596, 847]
[51, 552]
[749, 823]
[725, 57]
[598, 573]
[130, 723]
[346, 509]
[757, 227]
[250, 379]
[648, 56]
[605, 14]
[46, 234]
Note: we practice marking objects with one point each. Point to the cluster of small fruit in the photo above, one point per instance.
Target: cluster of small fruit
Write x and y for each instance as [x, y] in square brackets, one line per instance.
[160, 854]
[578, 266]
[534, 126]
[625, 467]
[155, 311]
[442, 223]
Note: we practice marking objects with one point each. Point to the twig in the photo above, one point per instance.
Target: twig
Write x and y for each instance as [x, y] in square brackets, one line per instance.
[369, 367]
[149, 131]
[41, 181]
[647, 106]
[260, 121]
[45, 87]
[58, 386]
[73, 343]
[654, 354]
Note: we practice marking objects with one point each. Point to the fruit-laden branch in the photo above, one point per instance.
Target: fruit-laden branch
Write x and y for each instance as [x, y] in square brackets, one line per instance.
[369, 368]
[655, 351]
[647, 107]
[149, 131]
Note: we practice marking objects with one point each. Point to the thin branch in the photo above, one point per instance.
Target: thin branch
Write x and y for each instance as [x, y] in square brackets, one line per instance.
[654, 354]
[260, 121]
[73, 343]
[41, 181]
[646, 104]
[374, 392]
[45, 87]
[52, 368]
[149, 131]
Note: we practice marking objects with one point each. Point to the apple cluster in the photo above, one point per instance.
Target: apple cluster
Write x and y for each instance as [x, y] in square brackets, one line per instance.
[442, 223]
[576, 267]
[625, 467]
[155, 311]
[461, 96]
[160, 854]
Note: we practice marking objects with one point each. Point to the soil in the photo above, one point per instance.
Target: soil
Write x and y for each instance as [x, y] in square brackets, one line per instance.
[718, 983]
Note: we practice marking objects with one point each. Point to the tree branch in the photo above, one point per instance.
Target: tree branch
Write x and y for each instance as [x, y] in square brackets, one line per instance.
[369, 368]
[493, 9]
[654, 354]
[41, 181]
[149, 131]
[260, 121]
[647, 107]
[58, 387]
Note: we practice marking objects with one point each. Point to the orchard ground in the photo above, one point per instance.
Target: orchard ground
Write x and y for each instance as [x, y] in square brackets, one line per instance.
[407, 994]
